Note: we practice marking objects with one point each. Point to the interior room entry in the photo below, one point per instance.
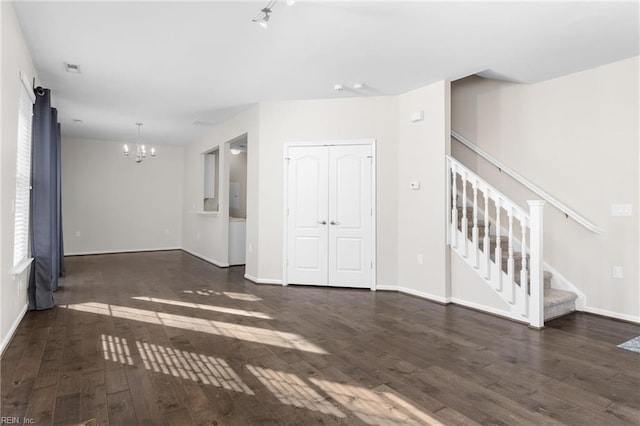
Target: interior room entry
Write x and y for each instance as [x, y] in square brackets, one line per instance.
[238, 151]
[330, 215]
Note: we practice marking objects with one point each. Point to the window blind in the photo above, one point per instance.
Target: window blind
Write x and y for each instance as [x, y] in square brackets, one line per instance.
[23, 173]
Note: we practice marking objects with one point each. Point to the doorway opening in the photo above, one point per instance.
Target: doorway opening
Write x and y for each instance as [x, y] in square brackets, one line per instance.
[238, 150]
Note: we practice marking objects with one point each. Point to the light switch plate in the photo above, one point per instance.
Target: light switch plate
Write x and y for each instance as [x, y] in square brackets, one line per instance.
[414, 185]
[618, 272]
[621, 210]
[417, 116]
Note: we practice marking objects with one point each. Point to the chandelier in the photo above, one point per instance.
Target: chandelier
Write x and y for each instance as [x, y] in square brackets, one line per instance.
[140, 152]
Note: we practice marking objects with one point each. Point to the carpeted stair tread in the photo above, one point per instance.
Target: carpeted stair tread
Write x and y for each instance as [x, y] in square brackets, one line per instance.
[556, 302]
[554, 297]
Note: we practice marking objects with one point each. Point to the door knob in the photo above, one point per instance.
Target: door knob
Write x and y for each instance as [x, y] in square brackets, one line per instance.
[333, 222]
[322, 222]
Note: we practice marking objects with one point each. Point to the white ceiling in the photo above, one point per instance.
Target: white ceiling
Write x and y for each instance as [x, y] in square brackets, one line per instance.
[169, 63]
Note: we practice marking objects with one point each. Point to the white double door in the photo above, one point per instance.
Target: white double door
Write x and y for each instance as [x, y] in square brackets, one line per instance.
[330, 238]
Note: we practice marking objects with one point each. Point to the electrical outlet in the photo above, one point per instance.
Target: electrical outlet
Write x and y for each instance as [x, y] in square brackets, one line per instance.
[167, 231]
[420, 259]
[20, 286]
[618, 272]
[78, 234]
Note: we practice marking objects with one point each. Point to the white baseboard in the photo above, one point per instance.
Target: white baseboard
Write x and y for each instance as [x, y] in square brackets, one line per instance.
[611, 314]
[263, 280]
[93, 252]
[488, 309]
[206, 259]
[12, 330]
[413, 292]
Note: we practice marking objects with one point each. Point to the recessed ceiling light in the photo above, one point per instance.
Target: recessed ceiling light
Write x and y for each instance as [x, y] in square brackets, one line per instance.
[75, 68]
[358, 86]
[338, 87]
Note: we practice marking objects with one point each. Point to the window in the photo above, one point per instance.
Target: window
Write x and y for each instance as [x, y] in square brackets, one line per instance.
[23, 176]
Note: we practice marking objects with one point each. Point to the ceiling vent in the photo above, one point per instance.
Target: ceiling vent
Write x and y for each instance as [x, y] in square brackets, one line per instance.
[76, 120]
[202, 123]
[74, 68]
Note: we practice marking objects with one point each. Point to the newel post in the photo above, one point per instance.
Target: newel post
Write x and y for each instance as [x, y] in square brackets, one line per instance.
[536, 286]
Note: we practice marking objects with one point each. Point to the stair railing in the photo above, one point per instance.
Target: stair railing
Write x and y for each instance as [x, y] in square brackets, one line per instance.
[518, 279]
[566, 210]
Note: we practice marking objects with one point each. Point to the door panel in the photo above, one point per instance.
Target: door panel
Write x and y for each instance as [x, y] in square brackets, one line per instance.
[307, 189]
[329, 222]
[350, 215]
[349, 254]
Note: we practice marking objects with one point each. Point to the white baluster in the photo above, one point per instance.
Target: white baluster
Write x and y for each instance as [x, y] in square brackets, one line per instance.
[523, 295]
[474, 231]
[510, 263]
[487, 242]
[454, 206]
[536, 298]
[498, 252]
[465, 239]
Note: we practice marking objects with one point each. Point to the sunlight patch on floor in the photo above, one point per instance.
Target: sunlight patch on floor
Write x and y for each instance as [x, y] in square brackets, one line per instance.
[243, 332]
[116, 349]
[292, 390]
[220, 309]
[375, 407]
[203, 292]
[191, 366]
[237, 296]
[242, 296]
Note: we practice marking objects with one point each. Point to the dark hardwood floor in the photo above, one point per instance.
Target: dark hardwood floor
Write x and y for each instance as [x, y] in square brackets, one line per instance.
[166, 339]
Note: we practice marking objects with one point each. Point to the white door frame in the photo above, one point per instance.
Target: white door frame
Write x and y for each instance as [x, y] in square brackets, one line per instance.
[285, 163]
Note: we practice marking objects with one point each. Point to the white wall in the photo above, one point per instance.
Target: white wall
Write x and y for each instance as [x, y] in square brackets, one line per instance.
[326, 120]
[422, 213]
[408, 222]
[14, 58]
[112, 204]
[207, 235]
[576, 137]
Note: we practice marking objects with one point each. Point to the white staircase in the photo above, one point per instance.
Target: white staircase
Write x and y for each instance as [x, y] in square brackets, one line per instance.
[504, 245]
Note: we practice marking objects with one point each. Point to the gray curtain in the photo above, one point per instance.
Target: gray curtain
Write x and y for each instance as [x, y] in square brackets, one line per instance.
[61, 269]
[46, 214]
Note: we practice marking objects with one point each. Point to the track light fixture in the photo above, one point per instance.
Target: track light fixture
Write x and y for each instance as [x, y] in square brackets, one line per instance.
[262, 18]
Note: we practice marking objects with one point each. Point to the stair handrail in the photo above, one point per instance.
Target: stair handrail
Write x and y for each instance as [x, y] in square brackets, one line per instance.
[508, 202]
[567, 211]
